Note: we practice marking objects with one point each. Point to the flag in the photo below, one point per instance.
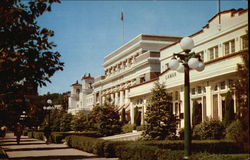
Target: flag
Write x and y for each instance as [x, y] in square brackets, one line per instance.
[122, 16]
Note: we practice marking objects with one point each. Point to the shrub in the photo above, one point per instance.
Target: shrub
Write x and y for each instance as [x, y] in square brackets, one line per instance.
[30, 134]
[65, 123]
[87, 144]
[127, 128]
[155, 150]
[233, 130]
[78, 122]
[57, 137]
[38, 135]
[181, 133]
[105, 119]
[212, 129]
[207, 156]
[140, 128]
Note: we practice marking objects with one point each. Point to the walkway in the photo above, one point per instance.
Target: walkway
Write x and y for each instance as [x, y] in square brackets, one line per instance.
[33, 149]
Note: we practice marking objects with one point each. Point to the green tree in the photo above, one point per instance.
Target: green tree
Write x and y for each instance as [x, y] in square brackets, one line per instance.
[27, 58]
[55, 119]
[65, 122]
[242, 93]
[229, 109]
[105, 120]
[160, 121]
[79, 122]
[197, 113]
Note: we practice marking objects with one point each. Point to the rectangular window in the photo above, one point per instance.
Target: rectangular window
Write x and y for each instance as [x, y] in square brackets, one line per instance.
[213, 52]
[230, 83]
[204, 89]
[232, 43]
[176, 95]
[193, 91]
[229, 47]
[199, 90]
[216, 87]
[216, 52]
[226, 48]
[244, 42]
[223, 85]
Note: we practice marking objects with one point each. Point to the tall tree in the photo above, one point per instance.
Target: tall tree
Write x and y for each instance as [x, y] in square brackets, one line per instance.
[27, 58]
[242, 93]
[105, 120]
[160, 121]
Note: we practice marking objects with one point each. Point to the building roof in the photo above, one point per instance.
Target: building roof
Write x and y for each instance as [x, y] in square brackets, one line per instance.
[232, 11]
[87, 77]
[76, 84]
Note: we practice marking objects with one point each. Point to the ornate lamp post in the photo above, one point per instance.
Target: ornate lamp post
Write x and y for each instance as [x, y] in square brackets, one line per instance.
[183, 63]
[48, 108]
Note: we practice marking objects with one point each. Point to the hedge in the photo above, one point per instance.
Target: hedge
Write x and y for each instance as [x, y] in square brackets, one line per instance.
[57, 137]
[210, 146]
[155, 150]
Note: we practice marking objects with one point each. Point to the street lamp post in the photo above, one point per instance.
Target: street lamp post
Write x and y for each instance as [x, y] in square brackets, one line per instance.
[183, 63]
[48, 108]
[23, 116]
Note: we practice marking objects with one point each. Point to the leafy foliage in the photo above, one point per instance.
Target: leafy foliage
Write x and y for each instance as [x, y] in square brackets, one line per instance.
[233, 130]
[160, 121]
[27, 58]
[79, 122]
[65, 124]
[242, 93]
[105, 120]
[213, 129]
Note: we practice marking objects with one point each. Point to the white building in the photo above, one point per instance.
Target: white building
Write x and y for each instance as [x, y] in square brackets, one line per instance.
[131, 70]
[135, 63]
[81, 96]
[220, 44]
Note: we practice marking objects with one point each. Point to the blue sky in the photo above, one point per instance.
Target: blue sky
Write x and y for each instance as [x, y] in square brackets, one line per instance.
[87, 31]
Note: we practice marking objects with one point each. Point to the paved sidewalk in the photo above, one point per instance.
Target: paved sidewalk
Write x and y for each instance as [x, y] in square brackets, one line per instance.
[38, 150]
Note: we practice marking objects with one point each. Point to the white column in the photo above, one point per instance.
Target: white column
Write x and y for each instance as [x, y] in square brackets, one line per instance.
[103, 99]
[121, 98]
[116, 99]
[143, 111]
[126, 97]
[209, 102]
[219, 107]
[235, 102]
[112, 98]
[132, 112]
[203, 102]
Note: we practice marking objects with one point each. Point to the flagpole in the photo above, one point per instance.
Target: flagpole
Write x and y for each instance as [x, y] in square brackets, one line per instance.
[123, 31]
[122, 19]
[219, 26]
